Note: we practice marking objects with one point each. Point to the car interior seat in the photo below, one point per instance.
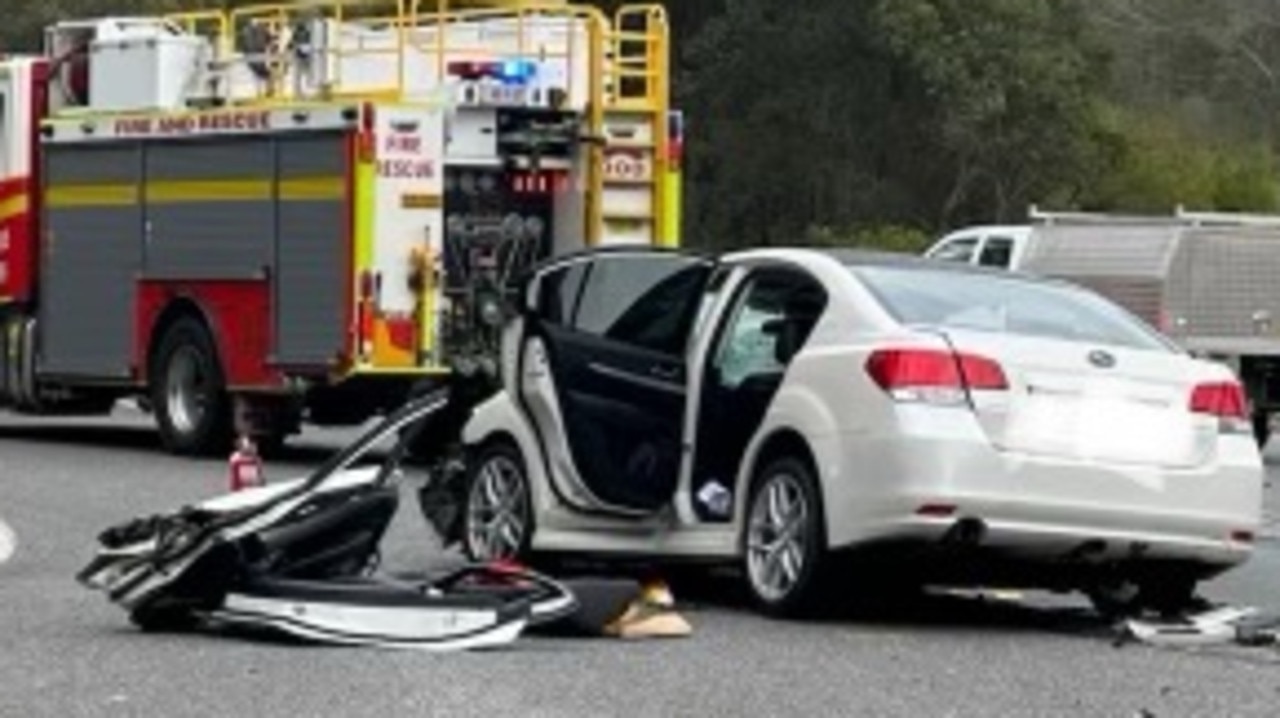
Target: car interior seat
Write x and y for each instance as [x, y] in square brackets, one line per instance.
[800, 314]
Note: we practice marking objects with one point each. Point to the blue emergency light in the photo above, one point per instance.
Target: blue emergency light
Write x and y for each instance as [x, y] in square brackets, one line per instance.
[517, 71]
[508, 72]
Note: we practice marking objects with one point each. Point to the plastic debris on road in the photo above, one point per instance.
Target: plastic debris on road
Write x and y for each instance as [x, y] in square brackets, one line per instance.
[1219, 625]
[8, 542]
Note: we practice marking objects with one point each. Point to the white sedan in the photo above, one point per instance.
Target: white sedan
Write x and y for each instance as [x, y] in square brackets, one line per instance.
[788, 409]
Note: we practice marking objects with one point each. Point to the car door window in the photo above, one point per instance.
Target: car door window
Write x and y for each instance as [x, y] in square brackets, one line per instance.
[707, 303]
[996, 252]
[957, 250]
[749, 350]
[558, 293]
[643, 301]
[769, 325]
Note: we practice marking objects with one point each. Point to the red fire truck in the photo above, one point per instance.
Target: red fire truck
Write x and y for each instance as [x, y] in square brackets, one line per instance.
[281, 214]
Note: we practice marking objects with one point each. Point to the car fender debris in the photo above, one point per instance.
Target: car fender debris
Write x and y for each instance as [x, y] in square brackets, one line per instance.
[298, 558]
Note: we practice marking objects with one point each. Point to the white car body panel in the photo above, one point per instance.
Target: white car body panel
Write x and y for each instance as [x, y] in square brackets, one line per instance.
[879, 461]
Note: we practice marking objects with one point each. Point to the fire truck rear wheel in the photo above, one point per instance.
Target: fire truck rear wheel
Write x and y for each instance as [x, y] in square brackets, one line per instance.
[189, 392]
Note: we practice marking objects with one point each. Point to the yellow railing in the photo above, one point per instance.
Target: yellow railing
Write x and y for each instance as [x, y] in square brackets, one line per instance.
[638, 79]
[640, 56]
[405, 20]
[635, 43]
[210, 23]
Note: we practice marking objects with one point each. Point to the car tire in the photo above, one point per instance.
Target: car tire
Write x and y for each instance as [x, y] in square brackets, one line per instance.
[795, 591]
[497, 513]
[188, 390]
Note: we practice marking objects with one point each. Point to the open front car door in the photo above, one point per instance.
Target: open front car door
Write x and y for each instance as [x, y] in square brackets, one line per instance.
[603, 375]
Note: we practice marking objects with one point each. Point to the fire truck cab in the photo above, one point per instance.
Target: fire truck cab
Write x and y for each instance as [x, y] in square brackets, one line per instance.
[292, 213]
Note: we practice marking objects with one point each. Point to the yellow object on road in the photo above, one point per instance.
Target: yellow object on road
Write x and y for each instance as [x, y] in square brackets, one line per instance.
[652, 615]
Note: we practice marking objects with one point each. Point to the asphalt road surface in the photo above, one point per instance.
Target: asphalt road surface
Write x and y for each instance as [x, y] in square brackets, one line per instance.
[66, 652]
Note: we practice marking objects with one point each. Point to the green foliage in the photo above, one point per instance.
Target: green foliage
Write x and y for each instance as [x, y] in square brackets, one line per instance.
[1246, 181]
[1160, 163]
[887, 237]
[1007, 89]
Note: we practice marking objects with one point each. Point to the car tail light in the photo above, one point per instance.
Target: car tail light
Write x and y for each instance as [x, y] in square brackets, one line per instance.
[1224, 400]
[934, 376]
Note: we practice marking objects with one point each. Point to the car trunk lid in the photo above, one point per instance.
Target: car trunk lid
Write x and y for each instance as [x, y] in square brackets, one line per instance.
[1075, 401]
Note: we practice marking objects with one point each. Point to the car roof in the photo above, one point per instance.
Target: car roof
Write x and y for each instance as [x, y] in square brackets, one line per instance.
[860, 257]
[803, 255]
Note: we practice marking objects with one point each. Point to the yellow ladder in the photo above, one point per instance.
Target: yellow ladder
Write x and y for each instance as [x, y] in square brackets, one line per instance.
[631, 202]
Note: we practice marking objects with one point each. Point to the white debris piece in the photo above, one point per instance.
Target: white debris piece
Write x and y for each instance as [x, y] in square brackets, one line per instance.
[8, 542]
[1223, 624]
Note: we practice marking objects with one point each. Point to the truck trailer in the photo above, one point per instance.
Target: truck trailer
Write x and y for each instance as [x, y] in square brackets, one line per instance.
[248, 220]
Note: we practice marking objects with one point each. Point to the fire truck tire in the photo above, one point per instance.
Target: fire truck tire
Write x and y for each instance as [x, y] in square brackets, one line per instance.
[188, 391]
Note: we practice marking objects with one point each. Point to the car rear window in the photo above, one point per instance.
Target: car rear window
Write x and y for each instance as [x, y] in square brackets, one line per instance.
[1007, 305]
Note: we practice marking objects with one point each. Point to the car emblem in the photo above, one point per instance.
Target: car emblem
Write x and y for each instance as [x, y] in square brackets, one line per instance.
[1101, 359]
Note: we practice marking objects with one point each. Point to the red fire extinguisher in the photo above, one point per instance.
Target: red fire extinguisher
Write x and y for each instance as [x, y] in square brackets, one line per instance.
[246, 466]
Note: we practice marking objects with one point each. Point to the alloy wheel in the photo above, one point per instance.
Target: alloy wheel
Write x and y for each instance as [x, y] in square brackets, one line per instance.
[776, 536]
[497, 510]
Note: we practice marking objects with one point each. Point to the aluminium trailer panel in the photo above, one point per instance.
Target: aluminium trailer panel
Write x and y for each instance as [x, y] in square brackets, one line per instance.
[1213, 289]
[1125, 262]
[1223, 291]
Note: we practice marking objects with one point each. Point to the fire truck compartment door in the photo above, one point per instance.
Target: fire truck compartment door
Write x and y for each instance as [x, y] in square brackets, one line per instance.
[311, 254]
[407, 215]
[92, 252]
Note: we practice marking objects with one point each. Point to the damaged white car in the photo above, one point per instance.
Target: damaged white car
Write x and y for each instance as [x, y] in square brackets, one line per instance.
[782, 409]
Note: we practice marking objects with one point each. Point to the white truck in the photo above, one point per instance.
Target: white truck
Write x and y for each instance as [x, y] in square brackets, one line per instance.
[1209, 281]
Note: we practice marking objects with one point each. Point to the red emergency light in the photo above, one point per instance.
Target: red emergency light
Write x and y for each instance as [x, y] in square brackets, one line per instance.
[675, 140]
[540, 182]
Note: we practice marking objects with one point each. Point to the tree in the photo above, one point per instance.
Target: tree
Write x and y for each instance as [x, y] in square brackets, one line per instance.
[924, 112]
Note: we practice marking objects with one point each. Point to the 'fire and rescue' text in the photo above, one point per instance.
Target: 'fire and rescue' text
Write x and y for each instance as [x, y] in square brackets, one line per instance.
[191, 124]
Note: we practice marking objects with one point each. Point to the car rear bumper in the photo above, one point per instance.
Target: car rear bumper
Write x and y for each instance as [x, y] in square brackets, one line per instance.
[975, 532]
[944, 486]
